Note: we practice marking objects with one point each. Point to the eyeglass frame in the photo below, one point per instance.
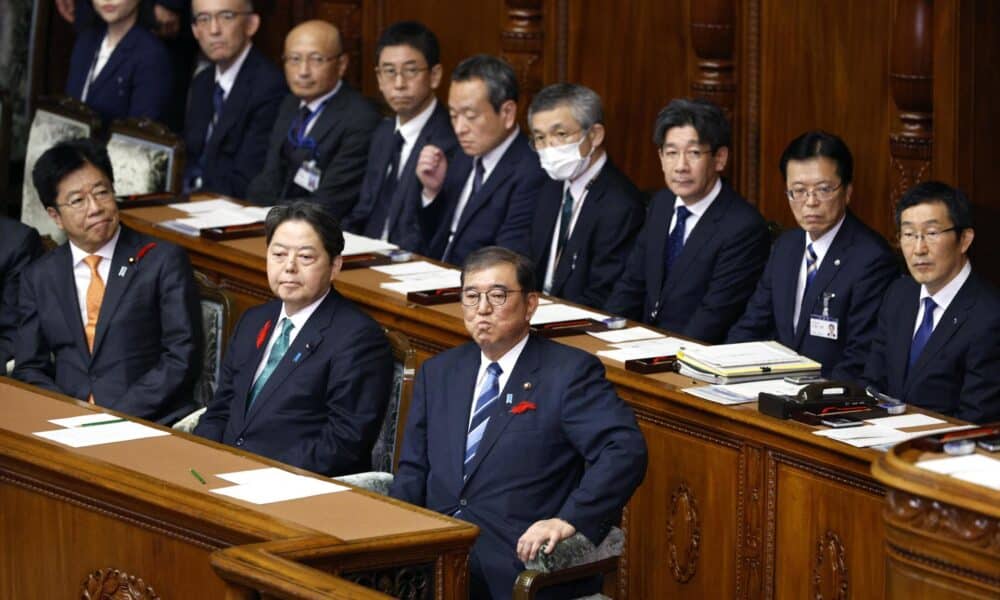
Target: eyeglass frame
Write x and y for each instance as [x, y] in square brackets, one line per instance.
[930, 238]
[413, 71]
[701, 154]
[814, 192]
[479, 296]
[205, 19]
[80, 202]
[315, 61]
[564, 139]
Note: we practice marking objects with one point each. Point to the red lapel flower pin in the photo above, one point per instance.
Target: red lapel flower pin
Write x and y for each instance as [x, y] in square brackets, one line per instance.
[262, 334]
[142, 252]
[522, 407]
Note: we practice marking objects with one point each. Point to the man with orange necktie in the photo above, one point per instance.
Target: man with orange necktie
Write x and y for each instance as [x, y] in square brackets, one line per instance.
[111, 316]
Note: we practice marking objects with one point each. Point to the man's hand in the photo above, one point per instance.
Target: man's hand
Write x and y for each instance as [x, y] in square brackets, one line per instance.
[67, 9]
[432, 165]
[546, 533]
[168, 21]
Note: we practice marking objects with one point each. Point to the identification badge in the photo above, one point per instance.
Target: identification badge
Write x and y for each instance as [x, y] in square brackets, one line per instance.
[308, 176]
[824, 327]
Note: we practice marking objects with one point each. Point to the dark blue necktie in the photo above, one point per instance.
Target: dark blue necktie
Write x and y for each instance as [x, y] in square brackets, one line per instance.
[477, 180]
[923, 332]
[218, 99]
[564, 221]
[811, 267]
[675, 241]
[488, 394]
[384, 207]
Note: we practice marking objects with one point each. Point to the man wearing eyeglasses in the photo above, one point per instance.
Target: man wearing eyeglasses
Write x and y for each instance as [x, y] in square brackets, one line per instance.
[522, 436]
[319, 142]
[589, 213]
[112, 316]
[824, 282]
[703, 247]
[233, 105]
[937, 344]
[408, 71]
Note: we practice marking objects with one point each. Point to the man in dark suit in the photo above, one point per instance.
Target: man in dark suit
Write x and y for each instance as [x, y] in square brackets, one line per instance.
[408, 71]
[703, 247]
[823, 284]
[111, 316]
[589, 214]
[522, 436]
[19, 245]
[487, 194]
[232, 106]
[307, 377]
[937, 345]
[319, 143]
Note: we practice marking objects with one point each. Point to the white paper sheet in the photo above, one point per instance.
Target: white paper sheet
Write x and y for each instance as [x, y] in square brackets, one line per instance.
[435, 281]
[875, 435]
[745, 354]
[81, 437]
[264, 486]
[83, 420]
[409, 268]
[617, 336]
[358, 244]
[218, 218]
[904, 421]
[990, 479]
[958, 464]
[739, 393]
[555, 312]
[206, 206]
[664, 346]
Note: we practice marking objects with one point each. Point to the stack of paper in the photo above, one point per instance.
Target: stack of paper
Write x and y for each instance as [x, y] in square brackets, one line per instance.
[556, 313]
[213, 213]
[741, 393]
[264, 486]
[359, 244]
[748, 361]
[658, 346]
[877, 435]
[421, 280]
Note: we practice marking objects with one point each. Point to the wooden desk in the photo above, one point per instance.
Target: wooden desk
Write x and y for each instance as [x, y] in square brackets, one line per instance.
[735, 504]
[942, 534]
[132, 513]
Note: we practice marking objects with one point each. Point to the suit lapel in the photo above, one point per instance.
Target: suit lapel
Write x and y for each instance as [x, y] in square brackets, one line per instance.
[546, 216]
[524, 372]
[235, 101]
[503, 170]
[705, 229]
[951, 321]
[245, 377]
[832, 263]
[65, 287]
[331, 115]
[123, 49]
[585, 223]
[460, 405]
[120, 276]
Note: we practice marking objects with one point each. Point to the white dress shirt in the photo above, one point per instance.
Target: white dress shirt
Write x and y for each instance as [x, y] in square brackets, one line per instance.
[81, 272]
[299, 320]
[411, 131]
[506, 362]
[820, 247]
[578, 188]
[316, 104]
[226, 79]
[697, 209]
[490, 161]
[943, 297]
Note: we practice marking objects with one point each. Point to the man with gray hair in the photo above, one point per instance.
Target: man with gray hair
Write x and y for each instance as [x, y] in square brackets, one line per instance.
[588, 215]
[486, 195]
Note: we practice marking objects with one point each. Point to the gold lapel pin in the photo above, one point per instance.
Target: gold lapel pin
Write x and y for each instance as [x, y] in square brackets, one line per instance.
[527, 385]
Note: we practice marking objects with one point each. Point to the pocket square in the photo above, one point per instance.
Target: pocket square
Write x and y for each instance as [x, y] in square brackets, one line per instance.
[523, 406]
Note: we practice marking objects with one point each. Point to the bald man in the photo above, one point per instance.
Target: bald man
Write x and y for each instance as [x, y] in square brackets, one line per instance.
[319, 143]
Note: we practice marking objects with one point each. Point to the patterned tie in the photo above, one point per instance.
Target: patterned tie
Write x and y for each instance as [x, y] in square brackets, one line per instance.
[277, 351]
[95, 295]
[218, 98]
[675, 242]
[564, 221]
[811, 267]
[488, 393]
[923, 332]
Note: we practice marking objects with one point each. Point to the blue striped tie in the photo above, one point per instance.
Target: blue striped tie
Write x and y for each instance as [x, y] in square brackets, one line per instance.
[811, 267]
[488, 394]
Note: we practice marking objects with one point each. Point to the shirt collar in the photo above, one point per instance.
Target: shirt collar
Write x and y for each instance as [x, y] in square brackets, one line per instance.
[299, 319]
[945, 295]
[699, 207]
[581, 183]
[824, 242]
[107, 251]
[411, 129]
[508, 360]
[315, 104]
[228, 78]
[491, 158]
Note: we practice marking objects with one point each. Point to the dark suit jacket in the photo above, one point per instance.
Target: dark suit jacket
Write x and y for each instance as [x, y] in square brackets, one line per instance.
[342, 133]
[19, 245]
[236, 152]
[135, 82]
[411, 225]
[322, 407]
[708, 287]
[599, 245]
[147, 349]
[958, 372]
[857, 269]
[500, 214]
[577, 456]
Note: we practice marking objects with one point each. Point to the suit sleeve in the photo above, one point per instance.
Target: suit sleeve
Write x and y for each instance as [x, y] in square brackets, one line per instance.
[737, 268]
[32, 355]
[252, 153]
[629, 293]
[213, 421]
[515, 231]
[862, 316]
[25, 251]
[757, 322]
[265, 187]
[180, 334]
[876, 364]
[613, 242]
[152, 82]
[360, 379]
[410, 481]
[603, 430]
[979, 401]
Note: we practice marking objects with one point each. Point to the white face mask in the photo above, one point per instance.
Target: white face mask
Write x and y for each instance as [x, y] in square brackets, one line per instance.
[564, 162]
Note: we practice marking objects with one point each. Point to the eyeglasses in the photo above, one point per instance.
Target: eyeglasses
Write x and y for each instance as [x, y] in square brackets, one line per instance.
[557, 138]
[223, 17]
[313, 60]
[693, 155]
[822, 192]
[931, 236]
[100, 194]
[495, 296]
[389, 73]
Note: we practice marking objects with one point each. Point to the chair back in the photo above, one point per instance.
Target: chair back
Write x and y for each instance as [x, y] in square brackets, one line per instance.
[385, 453]
[56, 119]
[146, 156]
[216, 325]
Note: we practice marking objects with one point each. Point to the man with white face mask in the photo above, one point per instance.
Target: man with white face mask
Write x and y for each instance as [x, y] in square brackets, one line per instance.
[589, 214]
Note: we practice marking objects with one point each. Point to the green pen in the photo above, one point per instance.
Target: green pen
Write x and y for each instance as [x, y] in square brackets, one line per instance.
[198, 476]
[102, 422]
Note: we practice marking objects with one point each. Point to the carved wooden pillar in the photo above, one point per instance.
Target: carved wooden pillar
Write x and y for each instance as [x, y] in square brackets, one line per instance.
[911, 77]
[347, 16]
[521, 45]
[712, 39]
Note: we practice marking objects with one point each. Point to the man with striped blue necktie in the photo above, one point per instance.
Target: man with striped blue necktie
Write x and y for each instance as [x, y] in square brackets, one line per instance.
[522, 436]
